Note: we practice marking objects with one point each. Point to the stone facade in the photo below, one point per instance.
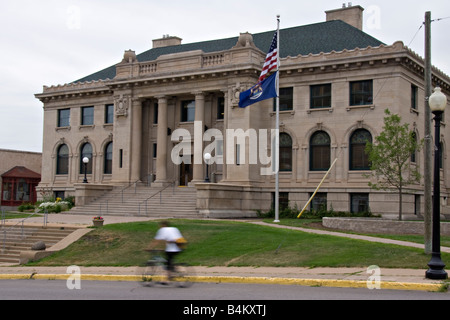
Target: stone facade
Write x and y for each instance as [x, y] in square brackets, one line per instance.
[126, 124]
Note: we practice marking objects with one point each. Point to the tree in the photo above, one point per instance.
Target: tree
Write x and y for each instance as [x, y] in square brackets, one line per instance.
[390, 157]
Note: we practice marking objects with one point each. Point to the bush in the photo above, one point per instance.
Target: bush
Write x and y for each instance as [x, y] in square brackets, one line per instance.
[25, 206]
[54, 207]
[71, 201]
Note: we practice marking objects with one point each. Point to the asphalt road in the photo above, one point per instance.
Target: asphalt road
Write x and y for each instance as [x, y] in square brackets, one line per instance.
[97, 290]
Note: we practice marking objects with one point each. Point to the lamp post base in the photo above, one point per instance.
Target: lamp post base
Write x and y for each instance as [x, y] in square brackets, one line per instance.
[436, 271]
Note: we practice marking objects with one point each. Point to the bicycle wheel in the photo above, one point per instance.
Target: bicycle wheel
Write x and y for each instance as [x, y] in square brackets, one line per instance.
[183, 275]
[153, 273]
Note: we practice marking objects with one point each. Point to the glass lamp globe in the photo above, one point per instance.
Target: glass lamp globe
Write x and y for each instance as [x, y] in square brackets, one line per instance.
[437, 101]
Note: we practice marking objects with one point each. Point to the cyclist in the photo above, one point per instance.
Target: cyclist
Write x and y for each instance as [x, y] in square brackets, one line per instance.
[169, 236]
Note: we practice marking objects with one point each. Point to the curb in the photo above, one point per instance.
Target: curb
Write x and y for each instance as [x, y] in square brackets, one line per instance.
[431, 287]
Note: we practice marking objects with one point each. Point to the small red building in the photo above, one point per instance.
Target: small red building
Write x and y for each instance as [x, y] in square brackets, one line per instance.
[19, 186]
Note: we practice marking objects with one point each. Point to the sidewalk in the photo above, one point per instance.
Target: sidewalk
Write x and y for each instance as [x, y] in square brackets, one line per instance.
[401, 279]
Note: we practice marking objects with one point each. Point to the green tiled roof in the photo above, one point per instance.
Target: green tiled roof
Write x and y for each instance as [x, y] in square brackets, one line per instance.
[315, 38]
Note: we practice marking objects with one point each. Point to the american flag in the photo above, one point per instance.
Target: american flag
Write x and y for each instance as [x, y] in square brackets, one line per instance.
[271, 59]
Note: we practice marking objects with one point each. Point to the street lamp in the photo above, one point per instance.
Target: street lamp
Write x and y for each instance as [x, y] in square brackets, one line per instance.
[85, 161]
[207, 157]
[437, 102]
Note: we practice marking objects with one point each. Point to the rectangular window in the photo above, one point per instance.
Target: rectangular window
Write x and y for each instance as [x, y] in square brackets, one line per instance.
[359, 202]
[417, 204]
[238, 154]
[155, 150]
[155, 113]
[283, 200]
[361, 93]
[121, 158]
[59, 194]
[319, 202]
[87, 116]
[321, 96]
[64, 118]
[7, 191]
[188, 111]
[109, 113]
[220, 108]
[286, 99]
[414, 96]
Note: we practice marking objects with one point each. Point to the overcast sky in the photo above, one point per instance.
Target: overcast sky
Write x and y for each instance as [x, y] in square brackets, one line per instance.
[51, 42]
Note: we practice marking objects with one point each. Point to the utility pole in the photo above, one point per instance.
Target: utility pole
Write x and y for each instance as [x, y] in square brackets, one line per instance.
[428, 139]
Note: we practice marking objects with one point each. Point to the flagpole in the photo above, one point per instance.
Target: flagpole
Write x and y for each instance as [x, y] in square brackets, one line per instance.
[317, 189]
[277, 134]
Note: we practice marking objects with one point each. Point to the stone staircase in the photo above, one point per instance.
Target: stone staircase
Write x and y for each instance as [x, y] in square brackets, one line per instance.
[15, 240]
[141, 200]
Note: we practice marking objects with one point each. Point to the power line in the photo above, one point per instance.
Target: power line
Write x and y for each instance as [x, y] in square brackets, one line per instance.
[421, 26]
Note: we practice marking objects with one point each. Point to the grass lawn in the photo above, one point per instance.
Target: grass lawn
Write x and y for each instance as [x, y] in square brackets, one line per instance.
[226, 243]
[313, 223]
[20, 215]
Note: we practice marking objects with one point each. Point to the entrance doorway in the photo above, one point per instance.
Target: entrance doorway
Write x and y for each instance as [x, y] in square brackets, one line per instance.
[186, 173]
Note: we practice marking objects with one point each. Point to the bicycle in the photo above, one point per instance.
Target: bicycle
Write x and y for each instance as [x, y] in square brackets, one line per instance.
[154, 272]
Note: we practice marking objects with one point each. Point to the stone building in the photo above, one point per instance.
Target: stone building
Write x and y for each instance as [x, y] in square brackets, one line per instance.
[335, 83]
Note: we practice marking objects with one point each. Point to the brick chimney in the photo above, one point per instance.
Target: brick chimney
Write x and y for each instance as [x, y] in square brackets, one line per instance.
[353, 15]
[166, 41]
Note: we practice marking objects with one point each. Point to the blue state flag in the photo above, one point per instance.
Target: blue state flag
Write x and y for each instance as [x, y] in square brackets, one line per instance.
[262, 91]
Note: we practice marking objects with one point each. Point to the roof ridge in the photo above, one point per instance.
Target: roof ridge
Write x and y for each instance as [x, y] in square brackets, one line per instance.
[334, 35]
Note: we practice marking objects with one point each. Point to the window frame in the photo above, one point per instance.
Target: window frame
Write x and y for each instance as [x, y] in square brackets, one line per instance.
[414, 97]
[188, 111]
[324, 149]
[83, 154]
[365, 93]
[365, 160]
[320, 199]
[62, 168]
[285, 152]
[317, 97]
[286, 96]
[87, 119]
[220, 108]
[109, 114]
[108, 158]
[363, 201]
[62, 122]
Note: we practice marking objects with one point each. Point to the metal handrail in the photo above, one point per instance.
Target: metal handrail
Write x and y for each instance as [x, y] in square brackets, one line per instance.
[129, 185]
[171, 184]
[19, 222]
[121, 192]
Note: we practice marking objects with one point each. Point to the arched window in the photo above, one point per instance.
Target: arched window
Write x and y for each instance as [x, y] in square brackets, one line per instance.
[62, 160]
[108, 158]
[86, 151]
[285, 152]
[320, 151]
[359, 159]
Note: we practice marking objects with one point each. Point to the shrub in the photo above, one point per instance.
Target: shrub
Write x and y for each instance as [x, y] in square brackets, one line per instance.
[26, 206]
[54, 207]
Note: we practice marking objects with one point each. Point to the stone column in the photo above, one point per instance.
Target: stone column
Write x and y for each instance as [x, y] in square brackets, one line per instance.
[136, 140]
[199, 128]
[162, 140]
[225, 127]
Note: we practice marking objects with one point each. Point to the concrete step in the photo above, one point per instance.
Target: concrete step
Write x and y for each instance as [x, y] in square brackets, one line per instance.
[10, 249]
[172, 202]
